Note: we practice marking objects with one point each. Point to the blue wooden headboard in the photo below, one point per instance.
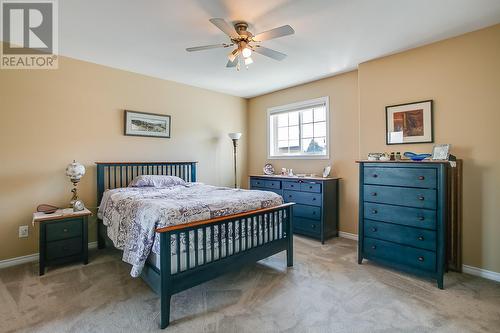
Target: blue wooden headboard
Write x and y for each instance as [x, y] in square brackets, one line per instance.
[112, 175]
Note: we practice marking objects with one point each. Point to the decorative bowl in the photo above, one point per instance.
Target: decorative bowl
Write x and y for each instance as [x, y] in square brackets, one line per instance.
[268, 169]
[416, 157]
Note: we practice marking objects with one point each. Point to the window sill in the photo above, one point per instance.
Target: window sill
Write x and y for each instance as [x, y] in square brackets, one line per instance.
[299, 157]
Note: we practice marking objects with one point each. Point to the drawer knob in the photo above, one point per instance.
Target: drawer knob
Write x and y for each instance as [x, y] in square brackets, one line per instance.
[314, 213]
[272, 184]
[375, 175]
[374, 247]
[421, 218]
[310, 187]
[374, 194]
[314, 198]
[374, 229]
[65, 248]
[421, 177]
[374, 211]
[65, 230]
[289, 195]
[421, 197]
[420, 258]
[313, 226]
[420, 238]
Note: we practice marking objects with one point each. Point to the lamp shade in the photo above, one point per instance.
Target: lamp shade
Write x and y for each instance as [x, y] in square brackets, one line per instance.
[234, 136]
[75, 171]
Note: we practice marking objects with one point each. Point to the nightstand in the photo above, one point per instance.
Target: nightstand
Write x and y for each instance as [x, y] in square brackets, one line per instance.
[63, 237]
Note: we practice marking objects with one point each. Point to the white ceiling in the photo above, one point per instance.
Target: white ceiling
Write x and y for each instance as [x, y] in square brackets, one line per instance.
[331, 36]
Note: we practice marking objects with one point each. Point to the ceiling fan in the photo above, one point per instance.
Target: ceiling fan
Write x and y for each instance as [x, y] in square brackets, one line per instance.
[245, 42]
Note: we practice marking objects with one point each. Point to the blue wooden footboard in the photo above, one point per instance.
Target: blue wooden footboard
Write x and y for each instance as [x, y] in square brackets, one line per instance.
[193, 253]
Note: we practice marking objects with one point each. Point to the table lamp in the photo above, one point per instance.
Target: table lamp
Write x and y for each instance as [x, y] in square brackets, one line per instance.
[75, 172]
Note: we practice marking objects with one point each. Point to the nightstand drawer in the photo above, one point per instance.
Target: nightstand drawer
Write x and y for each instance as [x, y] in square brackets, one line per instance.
[412, 177]
[302, 198]
[310, 212]
[414, 217]
[394, 253]
[412, 197]
[63, 248]
[424, 239]
[64, 229]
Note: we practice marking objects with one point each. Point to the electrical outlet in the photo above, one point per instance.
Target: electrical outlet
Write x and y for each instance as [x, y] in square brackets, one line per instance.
[23, 231]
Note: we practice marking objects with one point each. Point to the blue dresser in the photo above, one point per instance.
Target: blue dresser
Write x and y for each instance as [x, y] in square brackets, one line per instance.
[402, 216]
[316, 211]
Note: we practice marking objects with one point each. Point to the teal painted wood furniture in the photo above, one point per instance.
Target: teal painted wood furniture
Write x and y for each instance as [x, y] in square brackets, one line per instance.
[403, 216]
[166, 282]
[316, 212]
[63, 237]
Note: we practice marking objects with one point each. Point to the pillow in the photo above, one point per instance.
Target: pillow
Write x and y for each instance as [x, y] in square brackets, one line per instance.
[156, 181]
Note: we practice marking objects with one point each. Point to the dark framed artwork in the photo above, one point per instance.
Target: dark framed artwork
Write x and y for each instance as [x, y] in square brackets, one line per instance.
[147, 124]
[409, 123]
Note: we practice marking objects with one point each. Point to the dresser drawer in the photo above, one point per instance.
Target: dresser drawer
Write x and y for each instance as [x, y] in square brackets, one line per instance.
[412, 197]
[412, 177]
[306, 225]
[414, 217]
[302, 197]
[310, 187]
[421, 238]
[291, 185]
[265, 183]
[267, 189]
[310, 212]
[63, 248]
[63, 230]
[417, 258]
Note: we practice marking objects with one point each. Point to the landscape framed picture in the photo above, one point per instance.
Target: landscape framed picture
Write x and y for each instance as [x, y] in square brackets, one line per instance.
[409, 123]
[147, 124]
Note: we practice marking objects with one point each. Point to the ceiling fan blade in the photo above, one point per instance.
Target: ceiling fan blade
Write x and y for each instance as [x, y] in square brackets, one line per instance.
[232, 63]
[207, 47]
[224, 27]
[233, 55]
[274, 33]
[269, 53]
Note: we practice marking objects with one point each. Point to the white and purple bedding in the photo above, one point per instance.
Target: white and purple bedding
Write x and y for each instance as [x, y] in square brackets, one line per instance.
[132, 214]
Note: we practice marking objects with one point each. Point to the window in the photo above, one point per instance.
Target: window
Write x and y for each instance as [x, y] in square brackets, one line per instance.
[299, 130]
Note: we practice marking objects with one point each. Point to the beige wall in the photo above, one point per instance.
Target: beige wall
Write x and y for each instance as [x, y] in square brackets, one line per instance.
[49, 118]
[344, 135]
[462, 76]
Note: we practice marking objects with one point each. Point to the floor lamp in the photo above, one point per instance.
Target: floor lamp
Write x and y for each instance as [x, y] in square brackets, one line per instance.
[235, 137]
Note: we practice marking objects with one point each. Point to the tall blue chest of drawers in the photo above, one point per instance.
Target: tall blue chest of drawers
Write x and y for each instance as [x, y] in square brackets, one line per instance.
[402, 216]
[315, 213]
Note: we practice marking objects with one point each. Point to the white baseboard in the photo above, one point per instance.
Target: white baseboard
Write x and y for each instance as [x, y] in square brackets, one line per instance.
[490, 275]
[348, 235]
[29, 258]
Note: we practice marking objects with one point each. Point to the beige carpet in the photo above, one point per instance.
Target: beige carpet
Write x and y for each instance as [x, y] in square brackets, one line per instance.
[326, 291]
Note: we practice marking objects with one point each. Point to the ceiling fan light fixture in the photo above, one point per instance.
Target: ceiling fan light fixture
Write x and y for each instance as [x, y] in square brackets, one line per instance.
[248, 61]
[246, 52]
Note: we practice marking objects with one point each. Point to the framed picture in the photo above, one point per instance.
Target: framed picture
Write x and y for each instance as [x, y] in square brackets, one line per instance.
[147, 124]
[409, 123]
[441, 152]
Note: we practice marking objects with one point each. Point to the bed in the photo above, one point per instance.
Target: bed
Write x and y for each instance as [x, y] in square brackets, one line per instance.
[203, 243]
